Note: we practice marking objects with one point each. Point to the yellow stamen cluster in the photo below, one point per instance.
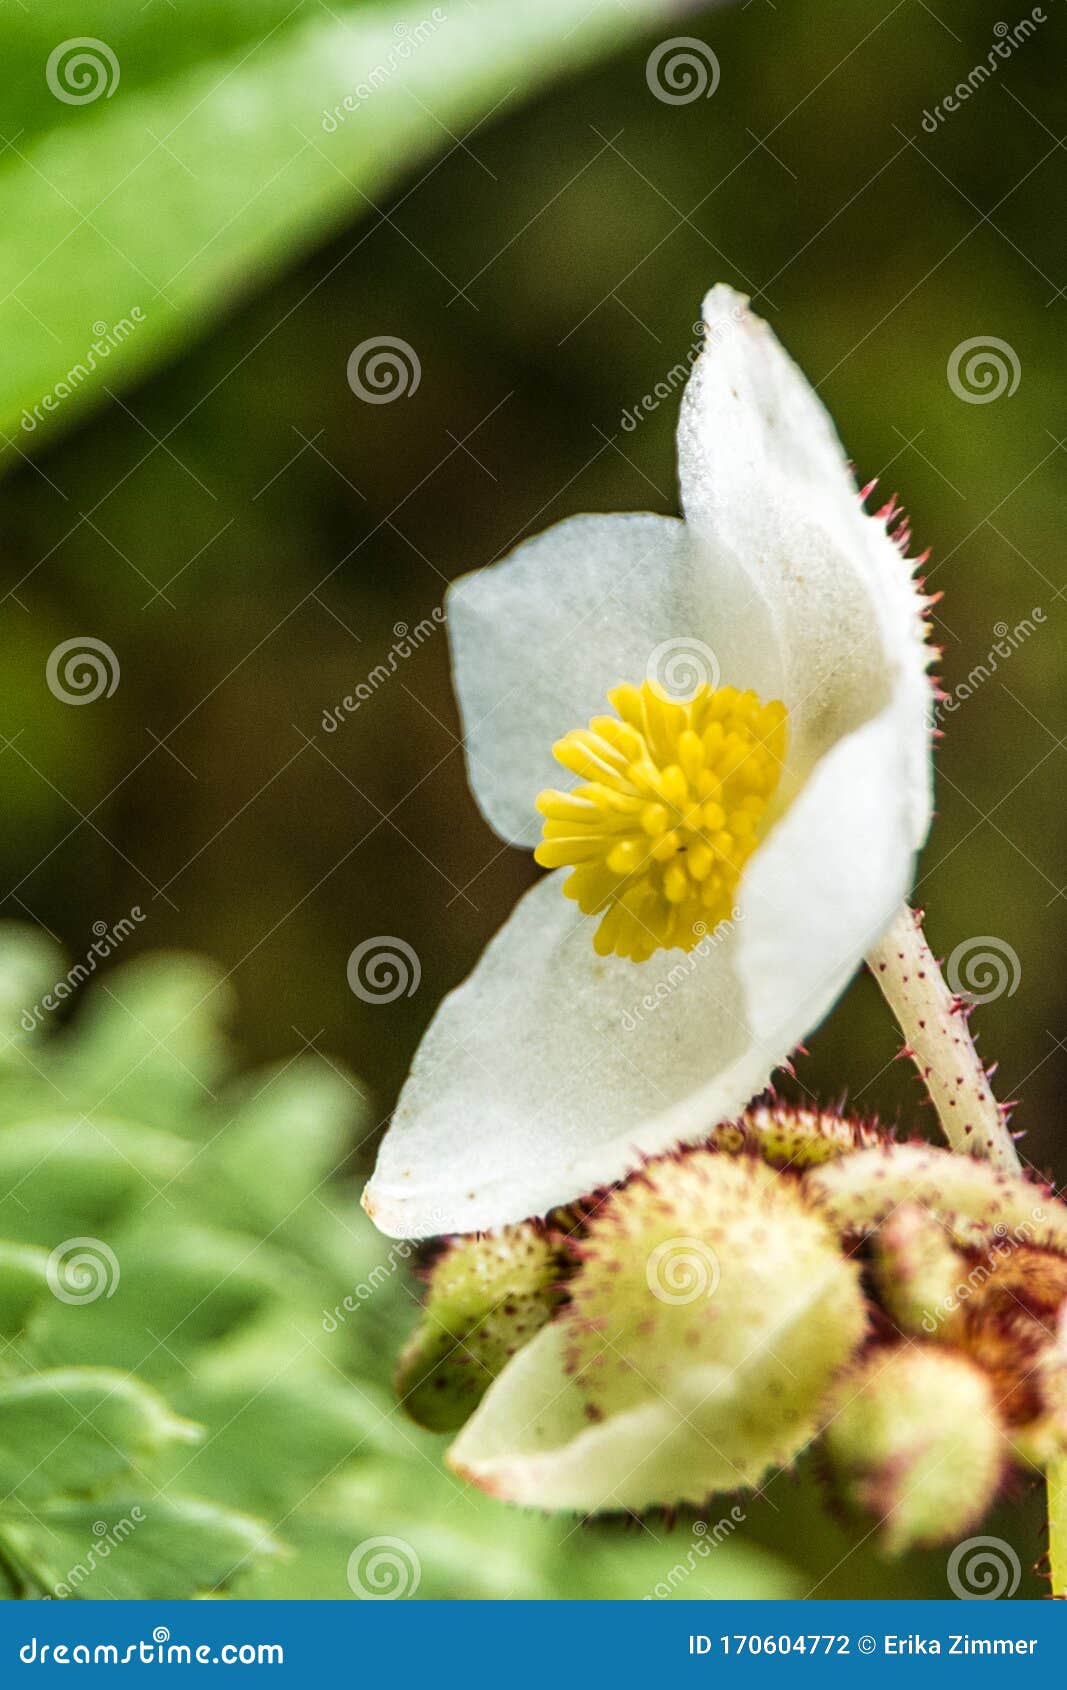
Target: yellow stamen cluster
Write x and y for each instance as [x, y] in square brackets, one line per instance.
[668, 814]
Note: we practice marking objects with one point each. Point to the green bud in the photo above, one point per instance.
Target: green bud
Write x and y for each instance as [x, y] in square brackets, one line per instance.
[915, 1441]
[1007, 1316]
[999, 1293]
[487, 1297]
[707, 1285]
[708, 1317]
[787, 1137]
[917, 1270]
[975, 1201]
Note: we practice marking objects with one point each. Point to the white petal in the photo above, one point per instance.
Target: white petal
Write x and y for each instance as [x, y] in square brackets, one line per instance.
[551, 1070]
[538, 639]
[826, 883]
[764, 476]
[531, 1440]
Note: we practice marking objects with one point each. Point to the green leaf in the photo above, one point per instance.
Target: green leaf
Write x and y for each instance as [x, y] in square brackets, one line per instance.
[213, 159]
[23, 1282]
[274, 1442]
[146, 1043]
[181, 1289]
[65, 1177]
[144, 1547]
[29, 965]
[274, 1142]
[74, 1429]
[444, 1539]
[435, 1534]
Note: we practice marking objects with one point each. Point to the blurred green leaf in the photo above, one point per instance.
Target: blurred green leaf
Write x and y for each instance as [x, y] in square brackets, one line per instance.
[148, 1043]
[66, 1176]
[71, 1430]
[276, 1443]
[273, 1143]
[225, 1264]
[29, 963]
[23, 1281]
[182, 1289]
[215, 144]
[144, 1547]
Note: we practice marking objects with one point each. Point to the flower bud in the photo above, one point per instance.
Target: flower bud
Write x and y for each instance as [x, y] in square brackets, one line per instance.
[487, 1297]
[917, 1270]
[788, 1137]
[914, 1440]
[1001, 1298]
[708, 1316]
[1011, 1319]
[708, 1285]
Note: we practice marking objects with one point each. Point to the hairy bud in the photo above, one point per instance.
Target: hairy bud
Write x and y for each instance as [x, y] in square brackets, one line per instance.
[707, 1316]
[797, 1138]
[915, 1441]
[917, 1270]
[488, 1296]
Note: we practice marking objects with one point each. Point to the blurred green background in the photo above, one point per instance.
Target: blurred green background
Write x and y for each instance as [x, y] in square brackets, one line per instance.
[246, 534]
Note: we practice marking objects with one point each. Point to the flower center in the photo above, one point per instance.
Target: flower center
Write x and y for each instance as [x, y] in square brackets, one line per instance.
[669, 812]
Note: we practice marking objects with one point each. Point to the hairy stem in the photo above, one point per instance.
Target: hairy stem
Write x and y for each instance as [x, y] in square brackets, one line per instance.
[934, 1024]
[939, 1040]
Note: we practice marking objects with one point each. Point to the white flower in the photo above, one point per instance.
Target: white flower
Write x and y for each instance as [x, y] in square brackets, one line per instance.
[554, 1068]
